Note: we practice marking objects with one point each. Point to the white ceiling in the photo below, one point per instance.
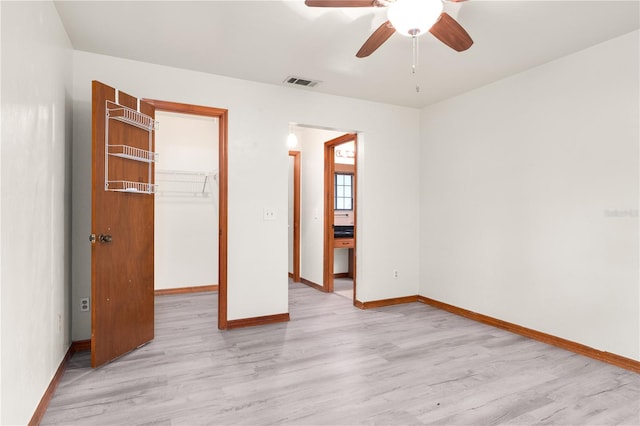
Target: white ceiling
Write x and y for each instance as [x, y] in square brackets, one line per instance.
[268, 40]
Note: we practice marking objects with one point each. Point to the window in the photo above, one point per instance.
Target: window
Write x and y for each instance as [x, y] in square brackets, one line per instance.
[343, 192]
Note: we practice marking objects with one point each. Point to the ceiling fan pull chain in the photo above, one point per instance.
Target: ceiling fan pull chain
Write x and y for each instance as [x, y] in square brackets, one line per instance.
[414, 66]
[415, 54]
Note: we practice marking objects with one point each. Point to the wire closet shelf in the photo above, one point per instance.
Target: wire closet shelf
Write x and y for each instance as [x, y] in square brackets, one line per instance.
[180, 182]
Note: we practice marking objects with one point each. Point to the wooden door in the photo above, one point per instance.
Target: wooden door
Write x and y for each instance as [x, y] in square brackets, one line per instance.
[122, 208]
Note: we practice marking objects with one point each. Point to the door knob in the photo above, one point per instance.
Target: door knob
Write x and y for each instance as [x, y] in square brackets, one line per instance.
[103, 238]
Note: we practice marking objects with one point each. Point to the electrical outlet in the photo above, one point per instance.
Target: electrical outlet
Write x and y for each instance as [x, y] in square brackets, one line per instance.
[395, 273]
[84, 304]
[269, 214]
[59, 323]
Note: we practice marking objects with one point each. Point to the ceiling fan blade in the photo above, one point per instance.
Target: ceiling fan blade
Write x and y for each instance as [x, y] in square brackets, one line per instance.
[376, 39]
[340, 3]
[450, 32]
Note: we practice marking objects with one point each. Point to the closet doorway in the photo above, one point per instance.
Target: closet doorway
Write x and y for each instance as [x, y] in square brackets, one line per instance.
[191, 201]
[186, 216]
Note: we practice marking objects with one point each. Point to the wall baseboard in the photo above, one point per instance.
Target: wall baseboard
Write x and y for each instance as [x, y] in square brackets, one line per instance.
[186, 290]
[251, 322]
[385, 302]
[312, 285]
[79, 346]
[608, 357]
[341, 275]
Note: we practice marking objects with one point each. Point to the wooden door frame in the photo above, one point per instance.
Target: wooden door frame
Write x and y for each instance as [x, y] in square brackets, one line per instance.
[223, 116]
[296, 215]
[329, 171]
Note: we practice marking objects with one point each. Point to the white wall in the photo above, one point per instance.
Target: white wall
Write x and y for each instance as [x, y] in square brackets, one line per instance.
[529, 198]
[36, 214]
[340, 260]
[186, 222]
[259, 117]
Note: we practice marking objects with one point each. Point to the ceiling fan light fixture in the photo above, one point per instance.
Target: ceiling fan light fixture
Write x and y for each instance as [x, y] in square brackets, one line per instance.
[413, 17]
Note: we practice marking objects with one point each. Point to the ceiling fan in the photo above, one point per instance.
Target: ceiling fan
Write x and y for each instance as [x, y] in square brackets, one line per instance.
[410, 18]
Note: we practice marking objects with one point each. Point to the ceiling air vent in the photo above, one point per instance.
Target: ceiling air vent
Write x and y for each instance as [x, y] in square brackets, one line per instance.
[299, 81]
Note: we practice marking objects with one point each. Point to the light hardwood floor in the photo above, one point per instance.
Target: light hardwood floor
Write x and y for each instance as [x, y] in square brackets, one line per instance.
[336, 365]
[343, 287]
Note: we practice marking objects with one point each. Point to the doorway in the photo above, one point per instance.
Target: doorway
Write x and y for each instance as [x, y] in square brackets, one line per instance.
[340, 207]
[294, 216]
[321, 262]
[186, 204]
[221, 182]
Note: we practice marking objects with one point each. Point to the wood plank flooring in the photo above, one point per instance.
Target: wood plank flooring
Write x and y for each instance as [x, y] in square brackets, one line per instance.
[336, 365]
[343, 287]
